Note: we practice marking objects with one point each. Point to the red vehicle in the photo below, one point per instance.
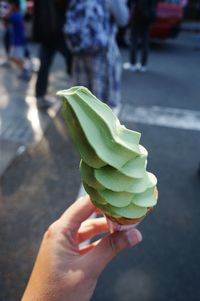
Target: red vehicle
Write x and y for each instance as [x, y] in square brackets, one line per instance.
[168, 20]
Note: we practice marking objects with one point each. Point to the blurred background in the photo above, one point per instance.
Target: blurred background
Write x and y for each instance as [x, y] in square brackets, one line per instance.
[39, 166]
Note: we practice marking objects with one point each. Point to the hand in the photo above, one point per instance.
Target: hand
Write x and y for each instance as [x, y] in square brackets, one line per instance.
[65, 272]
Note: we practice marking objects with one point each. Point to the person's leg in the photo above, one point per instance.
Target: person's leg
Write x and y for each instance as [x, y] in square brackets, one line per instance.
[6, 41]
[105, 75]
[46, 56]
[144, 44]
[134, 43]
[99, 75]
[18, 62]
[114, 80]
[64, 50]
[81, 73]
[16, 56]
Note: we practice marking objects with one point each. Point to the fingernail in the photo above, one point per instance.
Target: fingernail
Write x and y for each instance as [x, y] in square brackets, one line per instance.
[134, 236]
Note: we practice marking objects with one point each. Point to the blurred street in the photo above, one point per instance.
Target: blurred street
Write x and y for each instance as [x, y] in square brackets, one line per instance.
[22, 124]
[40, 176]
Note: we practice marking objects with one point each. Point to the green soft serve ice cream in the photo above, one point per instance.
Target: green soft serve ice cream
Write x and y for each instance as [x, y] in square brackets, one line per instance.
[113, 163]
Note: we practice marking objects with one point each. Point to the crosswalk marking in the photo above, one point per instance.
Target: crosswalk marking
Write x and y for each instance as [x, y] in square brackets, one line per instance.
[162, 116]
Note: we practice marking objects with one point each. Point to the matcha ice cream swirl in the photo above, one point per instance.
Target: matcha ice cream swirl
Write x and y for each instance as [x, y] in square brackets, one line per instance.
[113, 163]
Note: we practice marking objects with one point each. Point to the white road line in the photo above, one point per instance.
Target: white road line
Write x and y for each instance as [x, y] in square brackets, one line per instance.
[162, 116]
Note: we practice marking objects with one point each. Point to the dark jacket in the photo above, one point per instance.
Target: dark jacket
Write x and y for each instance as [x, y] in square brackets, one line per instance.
[144, 11]
[48, 21]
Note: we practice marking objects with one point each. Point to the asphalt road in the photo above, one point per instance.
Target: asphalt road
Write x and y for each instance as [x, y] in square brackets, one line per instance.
[45, 180]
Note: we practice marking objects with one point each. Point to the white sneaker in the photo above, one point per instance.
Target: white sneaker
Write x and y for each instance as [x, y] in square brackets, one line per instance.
[130, 67]
[141, 68]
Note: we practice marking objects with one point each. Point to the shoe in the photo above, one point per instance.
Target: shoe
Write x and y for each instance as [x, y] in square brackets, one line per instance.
[130, 67]
[141, 68]
[43, 104]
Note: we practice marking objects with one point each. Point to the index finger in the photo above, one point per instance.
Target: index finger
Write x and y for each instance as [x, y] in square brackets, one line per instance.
[78, 212]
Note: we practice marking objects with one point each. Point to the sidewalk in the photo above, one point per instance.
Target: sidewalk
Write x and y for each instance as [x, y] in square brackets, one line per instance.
[22, 125]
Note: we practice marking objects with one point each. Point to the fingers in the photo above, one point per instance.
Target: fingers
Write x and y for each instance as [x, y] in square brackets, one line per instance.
[110, 246]
[91, 228]
[77, 213]
[88, 248]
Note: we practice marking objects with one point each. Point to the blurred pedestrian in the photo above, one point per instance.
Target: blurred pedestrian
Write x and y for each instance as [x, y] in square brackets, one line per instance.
[7, 34]
[23, 9]
[17, 39]
[122, 34]
[63, 270]
[49, 19]
[144, 13]
[91, 28]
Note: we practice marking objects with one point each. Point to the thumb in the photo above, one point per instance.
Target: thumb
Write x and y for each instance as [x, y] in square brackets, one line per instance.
[111, 245]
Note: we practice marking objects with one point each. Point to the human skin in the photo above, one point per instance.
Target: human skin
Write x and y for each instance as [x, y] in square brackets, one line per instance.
[65, 272]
